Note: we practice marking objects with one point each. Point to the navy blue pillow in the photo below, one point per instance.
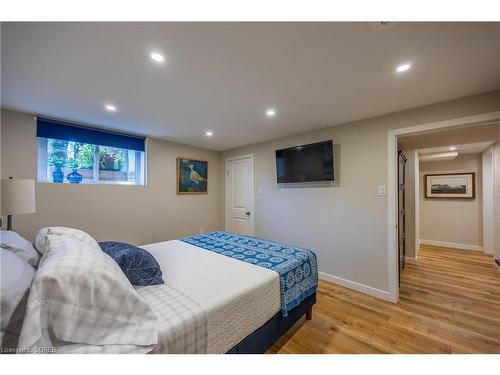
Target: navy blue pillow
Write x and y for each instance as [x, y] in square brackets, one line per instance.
[140, 267]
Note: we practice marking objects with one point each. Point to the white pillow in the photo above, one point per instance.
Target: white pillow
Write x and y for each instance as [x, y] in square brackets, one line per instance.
[76, 234]
[80, 297]
[20, 246]
[15, 280]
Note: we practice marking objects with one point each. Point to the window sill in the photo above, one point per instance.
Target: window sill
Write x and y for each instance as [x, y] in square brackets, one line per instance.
[120, 183]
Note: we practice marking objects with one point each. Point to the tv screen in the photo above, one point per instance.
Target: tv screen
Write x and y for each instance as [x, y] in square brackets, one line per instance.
[306, 163]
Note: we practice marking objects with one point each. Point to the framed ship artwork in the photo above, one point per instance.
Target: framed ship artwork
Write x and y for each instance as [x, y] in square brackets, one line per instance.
[450, 186]
[192, 176]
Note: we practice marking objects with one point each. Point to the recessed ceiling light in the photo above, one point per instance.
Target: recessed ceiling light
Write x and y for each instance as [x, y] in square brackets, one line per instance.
[209, 133]
[403, 68]
[158, 57]
[110, 107]
[452, 148]
[270, 112]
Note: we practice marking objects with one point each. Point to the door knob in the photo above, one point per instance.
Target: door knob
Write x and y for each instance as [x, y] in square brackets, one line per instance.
[247, 213]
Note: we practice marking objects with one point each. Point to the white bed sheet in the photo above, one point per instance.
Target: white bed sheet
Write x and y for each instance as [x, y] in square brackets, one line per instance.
[238, 297]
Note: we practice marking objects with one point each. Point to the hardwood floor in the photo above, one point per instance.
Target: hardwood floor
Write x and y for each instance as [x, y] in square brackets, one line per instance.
[449, 303]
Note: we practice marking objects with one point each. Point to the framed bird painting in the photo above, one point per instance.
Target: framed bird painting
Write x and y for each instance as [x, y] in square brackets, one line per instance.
[192, 176]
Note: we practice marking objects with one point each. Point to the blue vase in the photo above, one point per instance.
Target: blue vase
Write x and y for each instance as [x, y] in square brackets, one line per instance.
[58, 174]
[74, 177]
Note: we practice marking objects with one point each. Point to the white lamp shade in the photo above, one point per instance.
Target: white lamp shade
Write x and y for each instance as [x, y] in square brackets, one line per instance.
[18, 196]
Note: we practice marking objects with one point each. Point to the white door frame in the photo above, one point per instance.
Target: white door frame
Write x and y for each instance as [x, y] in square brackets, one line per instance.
[252, 199]
[417, 203]
[488, 200]
[392, 164]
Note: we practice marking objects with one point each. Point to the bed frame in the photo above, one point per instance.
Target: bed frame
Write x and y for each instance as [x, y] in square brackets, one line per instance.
[259, 341]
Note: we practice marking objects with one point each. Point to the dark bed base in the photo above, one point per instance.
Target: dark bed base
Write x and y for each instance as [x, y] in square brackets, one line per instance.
[264, 337]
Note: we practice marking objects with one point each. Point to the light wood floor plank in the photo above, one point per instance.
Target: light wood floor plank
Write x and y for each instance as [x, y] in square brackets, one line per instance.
[449, 303]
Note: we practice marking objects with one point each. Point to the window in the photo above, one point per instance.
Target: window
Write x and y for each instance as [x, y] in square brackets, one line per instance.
[70, 154]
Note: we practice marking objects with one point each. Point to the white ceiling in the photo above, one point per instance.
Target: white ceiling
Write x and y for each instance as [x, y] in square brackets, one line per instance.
[484, 133]
[468, 148]
[223, 76]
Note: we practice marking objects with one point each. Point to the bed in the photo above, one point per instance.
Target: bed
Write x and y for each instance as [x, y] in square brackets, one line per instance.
[213, 293]
[243, 315]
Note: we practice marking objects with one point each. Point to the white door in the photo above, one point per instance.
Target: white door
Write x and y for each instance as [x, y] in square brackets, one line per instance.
[240, 195]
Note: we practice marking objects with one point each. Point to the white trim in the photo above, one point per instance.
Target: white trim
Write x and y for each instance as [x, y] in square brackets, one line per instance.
[452, 245]
[416, 203]
[468, 120]
[240, 157]
[410, 260]
[92, 182]
[379, 293]
[488, 200]
[392, 150]
[392, 214]
[146, 162]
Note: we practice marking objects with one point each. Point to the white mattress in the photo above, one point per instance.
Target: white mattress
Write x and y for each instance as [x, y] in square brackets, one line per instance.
[238, 297]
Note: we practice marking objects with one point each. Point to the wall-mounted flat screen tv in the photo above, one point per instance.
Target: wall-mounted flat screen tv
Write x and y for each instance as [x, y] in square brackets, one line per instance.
[305, 163]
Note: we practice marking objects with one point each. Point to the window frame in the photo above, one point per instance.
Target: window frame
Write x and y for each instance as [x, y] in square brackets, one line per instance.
[43, 166]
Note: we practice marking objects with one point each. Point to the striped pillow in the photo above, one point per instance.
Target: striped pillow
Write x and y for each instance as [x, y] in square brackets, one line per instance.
[42, 244]
[80, 297]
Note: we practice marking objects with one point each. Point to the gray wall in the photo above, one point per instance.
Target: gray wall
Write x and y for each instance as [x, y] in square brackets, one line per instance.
[458, 221]
[133, 214]
[345, 224]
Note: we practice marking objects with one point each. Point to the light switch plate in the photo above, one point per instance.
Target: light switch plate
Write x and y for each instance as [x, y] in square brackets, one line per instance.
[381, 190]
[260, 191]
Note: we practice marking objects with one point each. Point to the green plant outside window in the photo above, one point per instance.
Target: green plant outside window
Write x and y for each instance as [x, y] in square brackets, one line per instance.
[96, 163]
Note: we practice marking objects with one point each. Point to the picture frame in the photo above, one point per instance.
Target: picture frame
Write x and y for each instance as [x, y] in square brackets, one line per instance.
[191, 176]
[450, 186]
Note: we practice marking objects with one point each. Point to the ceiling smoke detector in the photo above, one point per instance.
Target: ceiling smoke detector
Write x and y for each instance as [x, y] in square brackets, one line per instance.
[382, 25]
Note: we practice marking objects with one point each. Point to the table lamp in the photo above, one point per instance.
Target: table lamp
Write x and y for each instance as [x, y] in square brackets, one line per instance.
[18, 197]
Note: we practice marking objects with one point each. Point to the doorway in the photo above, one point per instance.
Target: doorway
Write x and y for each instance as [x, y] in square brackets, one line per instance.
[475, 122]
[240, 195]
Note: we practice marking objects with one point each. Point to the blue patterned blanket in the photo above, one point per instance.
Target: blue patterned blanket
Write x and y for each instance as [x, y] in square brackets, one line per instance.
[297, 268]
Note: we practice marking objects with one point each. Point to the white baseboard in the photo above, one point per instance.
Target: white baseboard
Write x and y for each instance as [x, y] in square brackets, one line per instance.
[410, 260]
[379, 293]
[453, 245]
